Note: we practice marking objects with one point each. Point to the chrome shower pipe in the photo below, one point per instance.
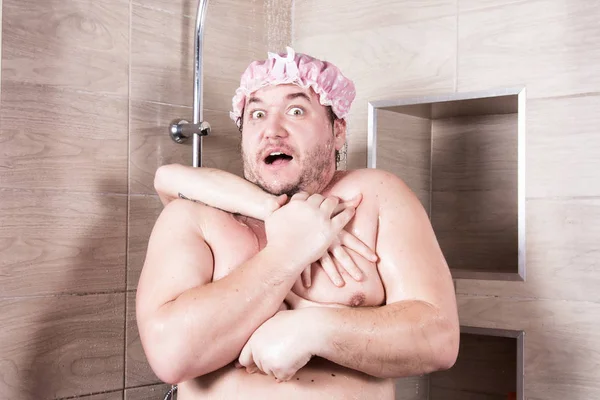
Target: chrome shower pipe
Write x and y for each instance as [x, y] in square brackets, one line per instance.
[198, 112]
[181, 130]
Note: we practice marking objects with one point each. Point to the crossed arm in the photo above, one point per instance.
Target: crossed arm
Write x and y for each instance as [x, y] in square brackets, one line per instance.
[414, 333]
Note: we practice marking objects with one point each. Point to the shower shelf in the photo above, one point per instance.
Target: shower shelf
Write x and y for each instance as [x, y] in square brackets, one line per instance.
[489, 366]
[463, 155]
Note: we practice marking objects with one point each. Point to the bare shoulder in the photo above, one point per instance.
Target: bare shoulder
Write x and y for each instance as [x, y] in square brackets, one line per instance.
[179, 256]
[383, 187]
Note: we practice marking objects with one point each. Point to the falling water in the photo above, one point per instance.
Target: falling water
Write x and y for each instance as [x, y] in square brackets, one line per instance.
[278, 19]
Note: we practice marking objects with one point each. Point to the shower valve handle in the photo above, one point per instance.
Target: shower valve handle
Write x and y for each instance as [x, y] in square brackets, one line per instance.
[181, 130]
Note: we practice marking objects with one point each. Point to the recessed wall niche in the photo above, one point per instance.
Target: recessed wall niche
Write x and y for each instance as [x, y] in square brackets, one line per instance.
[489, 367]
[463, 155]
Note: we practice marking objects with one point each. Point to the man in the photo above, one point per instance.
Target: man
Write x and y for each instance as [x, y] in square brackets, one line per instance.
[220, 290]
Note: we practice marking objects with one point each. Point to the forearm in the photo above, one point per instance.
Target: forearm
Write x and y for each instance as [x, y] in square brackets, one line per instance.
[205, 328]
[215, 188]
[407, 338]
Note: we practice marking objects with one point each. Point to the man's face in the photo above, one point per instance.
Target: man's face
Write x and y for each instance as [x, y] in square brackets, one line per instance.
[288, 141]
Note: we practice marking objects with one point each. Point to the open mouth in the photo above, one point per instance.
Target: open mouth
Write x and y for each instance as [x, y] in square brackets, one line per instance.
[277, 158]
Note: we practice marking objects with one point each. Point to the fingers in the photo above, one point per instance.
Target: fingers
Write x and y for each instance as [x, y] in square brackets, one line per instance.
[300, 196]
[281, 199]
[329, 205]
[346, 262]
[245, 359]
[316, 200]
[307, 277]
[331, 270]
[342, 219]
[353, 202]
[354, 243]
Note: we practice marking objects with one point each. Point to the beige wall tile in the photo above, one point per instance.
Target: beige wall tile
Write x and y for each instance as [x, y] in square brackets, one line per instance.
[151, 145]
[162, 56]
[315, 18]
[389, 62]
[147, 392]
[55, 347]
[486, 368]
[137, 369]
[413, 388]
[562, 147]
[62, 140]
[118, 395]
[562, 341]
[162, 65]
[143, 212]
[53, 242]
[563, 248]
[187, 8]
[477, 231]
[549, 46]
[404, 149]
[474, 207]
[76, 44]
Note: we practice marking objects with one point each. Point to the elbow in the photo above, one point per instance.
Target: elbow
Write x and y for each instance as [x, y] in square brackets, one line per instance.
[162, 353]
[445, 347]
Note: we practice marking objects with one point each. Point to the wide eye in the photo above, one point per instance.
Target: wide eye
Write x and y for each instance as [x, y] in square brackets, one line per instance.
[257, 114]
[296, 111]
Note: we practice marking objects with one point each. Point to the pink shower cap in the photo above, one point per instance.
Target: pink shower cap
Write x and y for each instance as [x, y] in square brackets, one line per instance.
[333, 88]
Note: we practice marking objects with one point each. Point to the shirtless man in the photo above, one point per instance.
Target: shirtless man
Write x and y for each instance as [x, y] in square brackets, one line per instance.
[213, 284]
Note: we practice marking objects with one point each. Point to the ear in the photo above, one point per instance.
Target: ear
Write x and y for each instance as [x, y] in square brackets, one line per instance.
[339, 133]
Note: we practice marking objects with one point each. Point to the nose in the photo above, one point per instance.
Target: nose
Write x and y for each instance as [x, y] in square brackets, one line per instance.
[274, 127]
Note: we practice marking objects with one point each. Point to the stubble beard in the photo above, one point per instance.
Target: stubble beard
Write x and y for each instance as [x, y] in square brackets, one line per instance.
[315, 174]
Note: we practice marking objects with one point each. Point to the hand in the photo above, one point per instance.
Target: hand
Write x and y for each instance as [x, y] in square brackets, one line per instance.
[302, 230]
[341, 256]
[280, 346]
[272, 204]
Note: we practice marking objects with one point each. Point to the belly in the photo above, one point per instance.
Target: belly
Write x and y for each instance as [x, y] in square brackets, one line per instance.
[319, 379]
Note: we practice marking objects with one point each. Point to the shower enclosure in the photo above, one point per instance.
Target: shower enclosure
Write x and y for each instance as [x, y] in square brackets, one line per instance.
[181, 130]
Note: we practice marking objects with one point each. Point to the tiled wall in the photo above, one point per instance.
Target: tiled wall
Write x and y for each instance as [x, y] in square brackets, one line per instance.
[88, 89]
[407, 48]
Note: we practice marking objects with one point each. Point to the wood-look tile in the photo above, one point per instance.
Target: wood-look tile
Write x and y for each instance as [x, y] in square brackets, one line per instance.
[76, 44]
[562, 341]
[54, 242]
[117, 395]
[477, 231]
[404, 149]
[390, 62]
[563, 248]
[56, 347]
[314, 17]
[143, 212]
[475, 154]
[147, 392]
[137, 370]
[162, 56]
[413, 388]
[186, 8]
[562, 142]
[62, 140]
[486, 369]
[163, 51]
[394, 61]
[549, 46]
[474, 207]
[151, 145]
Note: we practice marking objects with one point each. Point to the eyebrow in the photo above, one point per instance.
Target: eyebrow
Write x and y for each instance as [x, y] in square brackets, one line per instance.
[253, 100]
[301, 95]
[290, 96]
